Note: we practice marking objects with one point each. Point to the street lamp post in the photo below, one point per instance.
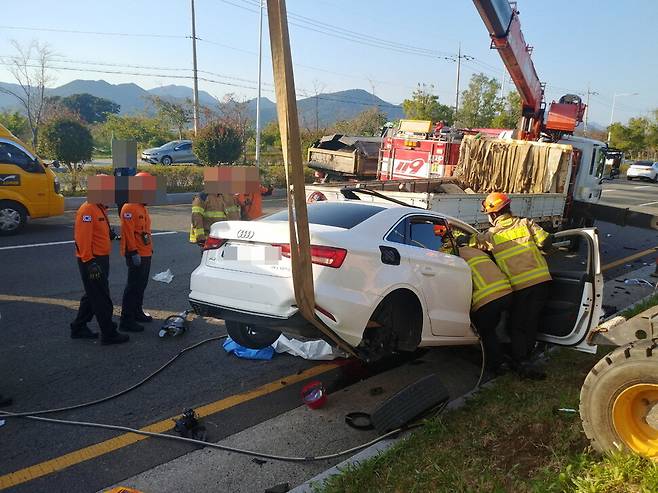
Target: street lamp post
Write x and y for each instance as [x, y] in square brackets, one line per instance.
[260, 58]
[612, 112]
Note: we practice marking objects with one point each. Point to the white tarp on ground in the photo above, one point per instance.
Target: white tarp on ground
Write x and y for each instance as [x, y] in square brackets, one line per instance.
[313, 350]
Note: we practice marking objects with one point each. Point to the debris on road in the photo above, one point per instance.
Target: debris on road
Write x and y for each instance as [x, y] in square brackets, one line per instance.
[312, 350]
[175, 325]
[314, 394]
[230, 346]
[166, 276]
[188, 426]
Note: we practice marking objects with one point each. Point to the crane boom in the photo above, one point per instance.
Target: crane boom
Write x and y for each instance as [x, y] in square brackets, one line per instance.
[502, 21]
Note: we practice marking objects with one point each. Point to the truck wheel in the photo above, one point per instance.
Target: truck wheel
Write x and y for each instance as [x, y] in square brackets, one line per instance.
[13, 217]
[251, 337]
[619, 400]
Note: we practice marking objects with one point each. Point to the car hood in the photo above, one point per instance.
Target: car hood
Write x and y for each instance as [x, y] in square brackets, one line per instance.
[151, 150]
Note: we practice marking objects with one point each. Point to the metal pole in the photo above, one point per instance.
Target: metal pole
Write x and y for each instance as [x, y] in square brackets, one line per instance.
[196, 81]
[459, 65]
[612, 115]
[260, 59]
[592, 93]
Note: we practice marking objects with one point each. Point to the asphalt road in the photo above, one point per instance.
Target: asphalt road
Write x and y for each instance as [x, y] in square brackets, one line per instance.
[42, 368]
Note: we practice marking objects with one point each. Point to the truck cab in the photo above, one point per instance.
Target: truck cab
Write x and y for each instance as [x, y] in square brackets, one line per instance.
[28, 188]
[590, 156]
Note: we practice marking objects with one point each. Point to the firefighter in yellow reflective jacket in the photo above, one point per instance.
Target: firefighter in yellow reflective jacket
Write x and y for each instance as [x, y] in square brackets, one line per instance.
[492, 295]
[516, 244]
[206, 210]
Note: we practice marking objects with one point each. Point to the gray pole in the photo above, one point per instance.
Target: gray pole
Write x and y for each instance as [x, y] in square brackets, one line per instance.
[260, 59]
[196, 81]
[459, 66]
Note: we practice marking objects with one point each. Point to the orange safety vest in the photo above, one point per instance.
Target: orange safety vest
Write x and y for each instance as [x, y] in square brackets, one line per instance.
[489, 282]
[515, 243]
[92, 232]
[136, 230]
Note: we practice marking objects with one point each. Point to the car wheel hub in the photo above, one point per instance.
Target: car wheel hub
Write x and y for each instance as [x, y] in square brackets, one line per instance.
[635, 418]
[10, 219]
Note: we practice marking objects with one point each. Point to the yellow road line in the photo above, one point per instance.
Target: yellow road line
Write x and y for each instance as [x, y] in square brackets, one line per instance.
[630, 258]
[76, 457]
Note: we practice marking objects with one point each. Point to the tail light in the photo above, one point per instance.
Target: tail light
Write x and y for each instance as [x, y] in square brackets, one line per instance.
[321, 255]
[213, 243]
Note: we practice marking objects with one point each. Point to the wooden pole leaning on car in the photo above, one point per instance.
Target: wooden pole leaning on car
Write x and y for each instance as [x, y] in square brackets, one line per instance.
[286, 105]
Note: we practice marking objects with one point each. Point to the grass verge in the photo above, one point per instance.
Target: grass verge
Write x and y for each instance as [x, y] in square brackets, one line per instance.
[510, 437]
[640, 307]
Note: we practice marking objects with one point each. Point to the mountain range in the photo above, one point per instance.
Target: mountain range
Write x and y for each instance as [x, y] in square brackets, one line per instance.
[323, 109]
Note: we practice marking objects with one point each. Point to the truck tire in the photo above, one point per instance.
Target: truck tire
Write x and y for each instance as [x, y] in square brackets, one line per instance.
[619, 400]
[13, 217]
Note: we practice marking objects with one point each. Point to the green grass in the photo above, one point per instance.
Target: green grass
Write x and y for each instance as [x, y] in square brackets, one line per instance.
[508, 438]
[640, 307]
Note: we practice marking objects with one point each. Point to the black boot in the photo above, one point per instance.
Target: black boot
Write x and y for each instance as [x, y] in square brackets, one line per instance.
[143, 317]
[131, 326]
[83, 332]
[530, 371]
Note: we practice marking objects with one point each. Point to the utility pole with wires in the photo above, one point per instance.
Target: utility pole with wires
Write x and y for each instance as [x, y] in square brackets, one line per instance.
[589, 93]
[260, 63]
[196, 80]
[459, 68]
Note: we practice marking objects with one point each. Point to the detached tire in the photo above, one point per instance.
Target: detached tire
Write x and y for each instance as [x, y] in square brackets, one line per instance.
[251, 337]
[619, 400]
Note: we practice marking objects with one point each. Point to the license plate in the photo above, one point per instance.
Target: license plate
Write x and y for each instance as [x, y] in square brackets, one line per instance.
[247, 254]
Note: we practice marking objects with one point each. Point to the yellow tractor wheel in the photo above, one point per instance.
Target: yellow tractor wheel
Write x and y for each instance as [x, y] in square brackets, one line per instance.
[619, 400]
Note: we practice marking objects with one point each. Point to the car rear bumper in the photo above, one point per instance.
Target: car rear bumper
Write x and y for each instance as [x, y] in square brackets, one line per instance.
[632, 173]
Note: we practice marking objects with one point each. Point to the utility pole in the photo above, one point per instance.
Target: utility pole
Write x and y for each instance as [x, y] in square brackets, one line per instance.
[196, 80]
[589, 93]
[612, 112]
[260, 59]
[459, 67]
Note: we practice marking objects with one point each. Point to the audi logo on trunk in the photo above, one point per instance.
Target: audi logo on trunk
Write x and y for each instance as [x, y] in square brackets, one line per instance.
[245, 234]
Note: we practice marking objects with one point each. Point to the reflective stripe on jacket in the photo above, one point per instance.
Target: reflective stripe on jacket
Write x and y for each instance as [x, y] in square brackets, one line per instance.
[515, 244]
[489, 282]
[206, 210]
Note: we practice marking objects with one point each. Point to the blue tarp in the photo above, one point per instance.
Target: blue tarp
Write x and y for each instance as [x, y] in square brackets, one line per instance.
[230, 346]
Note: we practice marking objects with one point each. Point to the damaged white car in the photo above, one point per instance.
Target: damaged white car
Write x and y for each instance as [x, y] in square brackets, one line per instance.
[381, 283]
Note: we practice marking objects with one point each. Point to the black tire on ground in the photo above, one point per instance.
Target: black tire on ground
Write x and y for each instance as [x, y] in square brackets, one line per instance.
[166, 160]
[626, 366]
[251, 337]
[410, 403]
[13, 217]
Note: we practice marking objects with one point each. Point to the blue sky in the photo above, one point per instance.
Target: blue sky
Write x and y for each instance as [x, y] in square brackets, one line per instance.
[609, 45]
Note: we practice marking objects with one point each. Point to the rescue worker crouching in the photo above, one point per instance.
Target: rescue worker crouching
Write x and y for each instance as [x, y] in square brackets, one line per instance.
[517, 244]
[137, 248]
[492, 295]
[92, 248]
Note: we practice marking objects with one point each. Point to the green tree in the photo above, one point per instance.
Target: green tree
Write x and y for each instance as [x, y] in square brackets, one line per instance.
[270, 135]
[148, 132]
[368, 123]
[510, 113]
[15, 122]
[632, 138]
[68, 141]
[177, 115]
[217, 143]
[424, 105]
[480, 102]
[91, 109]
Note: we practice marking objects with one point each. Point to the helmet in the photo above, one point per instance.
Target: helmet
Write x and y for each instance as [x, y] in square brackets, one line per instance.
[440, 230]
[495, 202]
[143, 173]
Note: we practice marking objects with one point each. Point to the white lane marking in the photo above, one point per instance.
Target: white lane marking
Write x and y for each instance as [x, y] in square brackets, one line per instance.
[52, 243]
[642, 186]
[610, 190]
[648, 203]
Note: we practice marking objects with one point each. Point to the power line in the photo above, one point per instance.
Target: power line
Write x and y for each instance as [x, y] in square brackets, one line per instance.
[97, 33]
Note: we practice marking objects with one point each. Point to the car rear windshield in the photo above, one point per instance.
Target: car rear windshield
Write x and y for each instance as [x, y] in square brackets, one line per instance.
[338, 214]
[648, 164]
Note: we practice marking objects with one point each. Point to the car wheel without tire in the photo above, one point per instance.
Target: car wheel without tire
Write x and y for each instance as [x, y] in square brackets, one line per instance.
[13, 217]
[619, 400]
[251, 337]
[166, 160]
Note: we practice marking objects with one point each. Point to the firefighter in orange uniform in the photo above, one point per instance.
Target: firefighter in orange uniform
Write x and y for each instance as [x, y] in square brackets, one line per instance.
[92, 245]
[137, 248]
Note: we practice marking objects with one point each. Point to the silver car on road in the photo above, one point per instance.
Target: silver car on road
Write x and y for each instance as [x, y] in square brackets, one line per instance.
[176, 151]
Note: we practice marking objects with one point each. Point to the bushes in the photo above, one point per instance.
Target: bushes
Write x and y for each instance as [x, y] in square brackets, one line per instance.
[217, 143]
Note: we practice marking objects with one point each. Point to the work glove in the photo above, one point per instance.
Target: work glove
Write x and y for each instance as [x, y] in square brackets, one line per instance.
[462, 240]
[135, 259]
[94, 271]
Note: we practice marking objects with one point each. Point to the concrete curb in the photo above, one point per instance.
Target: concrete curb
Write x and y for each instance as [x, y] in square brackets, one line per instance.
[385, 445]
[72, 203]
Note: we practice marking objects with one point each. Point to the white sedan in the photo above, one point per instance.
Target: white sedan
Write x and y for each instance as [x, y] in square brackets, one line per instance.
[643, 170]
[381, 283]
